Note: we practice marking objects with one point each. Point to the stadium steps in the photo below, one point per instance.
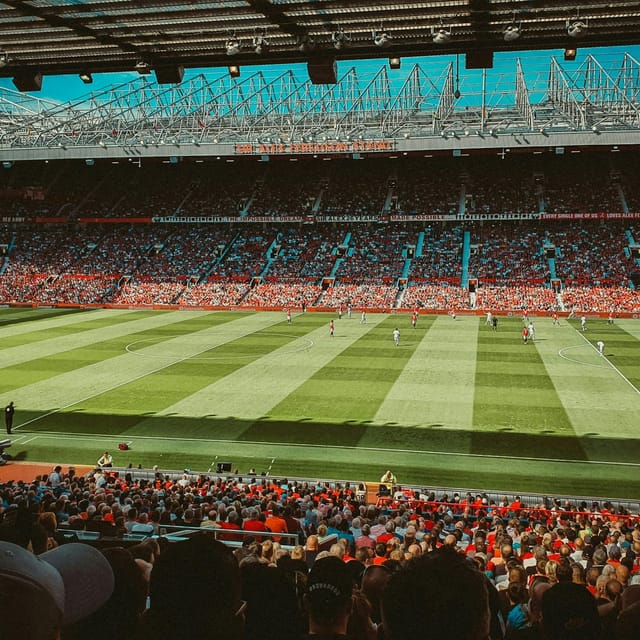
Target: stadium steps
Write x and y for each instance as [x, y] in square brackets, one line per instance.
[406, 268]
[466, 254]
[420, 245]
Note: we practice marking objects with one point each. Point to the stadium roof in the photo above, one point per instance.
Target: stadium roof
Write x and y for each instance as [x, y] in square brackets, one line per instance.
[47, 37]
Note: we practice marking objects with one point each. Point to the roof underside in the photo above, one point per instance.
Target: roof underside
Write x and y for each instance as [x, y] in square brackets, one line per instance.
[66, 36]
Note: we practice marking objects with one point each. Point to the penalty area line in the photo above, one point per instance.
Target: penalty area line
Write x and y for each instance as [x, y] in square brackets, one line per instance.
[249, 443]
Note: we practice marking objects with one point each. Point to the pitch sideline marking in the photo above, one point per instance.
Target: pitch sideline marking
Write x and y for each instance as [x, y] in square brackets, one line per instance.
[613, 366]
[94, 437]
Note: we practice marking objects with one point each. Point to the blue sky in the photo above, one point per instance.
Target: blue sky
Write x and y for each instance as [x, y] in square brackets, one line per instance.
[535, 63]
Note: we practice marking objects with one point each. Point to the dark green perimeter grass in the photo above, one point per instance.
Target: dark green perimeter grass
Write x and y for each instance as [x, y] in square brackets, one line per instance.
[502, 453]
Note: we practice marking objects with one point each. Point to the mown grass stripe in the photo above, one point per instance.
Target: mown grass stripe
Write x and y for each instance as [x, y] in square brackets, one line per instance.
[597, 400]
[11, 319]
[513, 389]
[109, 366]
[257, 387]
[44, 342]
[95, 349]
[435, 388]
[355, 382]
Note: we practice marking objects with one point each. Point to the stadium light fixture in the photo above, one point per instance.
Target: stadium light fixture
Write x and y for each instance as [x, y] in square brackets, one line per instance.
[441, 35]
[4, 59]
[234, 70]
[340, 39]
[234, 46]
[394, 63]
[576, 28]
[306, 43]
[143, 68]
[512, 32]
[381, 38]
[570, 54]
[87, 78]
[260, 43]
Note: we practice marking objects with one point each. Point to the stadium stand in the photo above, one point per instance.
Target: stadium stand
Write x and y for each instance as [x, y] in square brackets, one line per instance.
[348, 234]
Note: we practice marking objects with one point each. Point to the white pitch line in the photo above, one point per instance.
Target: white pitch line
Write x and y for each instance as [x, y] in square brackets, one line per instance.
[580, 362]
[121, 384]
[30, 440]
[613, 366]
[93, 437]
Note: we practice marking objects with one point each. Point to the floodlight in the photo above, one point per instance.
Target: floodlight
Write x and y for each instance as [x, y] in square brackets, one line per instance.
[4, 59]
[306, 43]
[394, 63]
[340, 39]
[576, 28]
[381, 38]
[234, 46]
[143, 68]
[570, 53]
[441, 35]
[512, 32]
[260, 44]
[234, 70]
[87, 78]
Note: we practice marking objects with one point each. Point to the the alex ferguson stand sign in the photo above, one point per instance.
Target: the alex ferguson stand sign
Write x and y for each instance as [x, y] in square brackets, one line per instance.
[276, 148]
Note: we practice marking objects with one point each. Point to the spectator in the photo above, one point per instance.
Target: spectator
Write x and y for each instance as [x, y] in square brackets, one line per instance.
[43, 595]
[329, 598]
[195, 592]
[447, 592]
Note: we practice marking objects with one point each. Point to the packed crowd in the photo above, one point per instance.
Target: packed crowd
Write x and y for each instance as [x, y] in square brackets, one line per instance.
[482, 567]
[508, 253]
[511, 261]
[355, 188]
[434, 186]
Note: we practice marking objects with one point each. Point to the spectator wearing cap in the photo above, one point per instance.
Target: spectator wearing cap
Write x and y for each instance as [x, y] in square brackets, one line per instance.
[42, 595]
[328, 600]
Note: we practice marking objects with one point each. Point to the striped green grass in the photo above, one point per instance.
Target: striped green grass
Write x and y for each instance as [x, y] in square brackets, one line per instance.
[455, 404]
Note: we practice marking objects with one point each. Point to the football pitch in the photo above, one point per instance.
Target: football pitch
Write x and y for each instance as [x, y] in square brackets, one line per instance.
[454, 404]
